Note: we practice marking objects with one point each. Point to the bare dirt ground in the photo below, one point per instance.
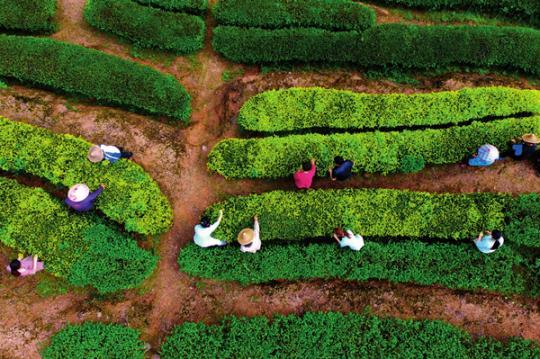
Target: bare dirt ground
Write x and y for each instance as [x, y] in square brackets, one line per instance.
[176, 157]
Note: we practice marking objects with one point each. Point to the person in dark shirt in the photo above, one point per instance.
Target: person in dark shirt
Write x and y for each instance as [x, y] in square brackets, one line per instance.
[526, 148]
[81, 199]
[342, 169]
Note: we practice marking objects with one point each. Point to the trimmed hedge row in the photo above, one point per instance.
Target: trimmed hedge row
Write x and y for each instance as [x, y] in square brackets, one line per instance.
[95, 340]
[302, 108]
[147, 27]
[197, 7]
[524, 10]
[132, 197]
[405, 46]
[77, 70]
[295, 215]
[524, 223]
[372, 152]
[78, 247]
[28, 15]
[275, 14]
[455, 266]
[335, 335]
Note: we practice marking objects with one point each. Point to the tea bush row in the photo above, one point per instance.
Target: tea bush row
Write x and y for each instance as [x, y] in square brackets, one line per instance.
[302, 108]
[77, 70]
[335, 335]
[34, 16]
[399, 45]
[372, 152]
[78, 247]
[275, 14]
[146, 26]
[132, 197]
[197, 7]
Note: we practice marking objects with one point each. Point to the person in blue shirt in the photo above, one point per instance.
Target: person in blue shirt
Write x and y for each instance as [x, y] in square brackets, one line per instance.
[342, 169]
[489, 242]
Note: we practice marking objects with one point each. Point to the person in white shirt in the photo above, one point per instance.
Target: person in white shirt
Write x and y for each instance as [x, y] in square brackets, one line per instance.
[203, 233]
[348, 239]
[249, 239]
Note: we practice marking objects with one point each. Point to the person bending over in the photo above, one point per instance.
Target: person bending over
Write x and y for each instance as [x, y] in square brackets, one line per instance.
[203, 232]
[249, 239]
[24, 267]
[81, 199]
[104, 152]
[342, 169]
[346, 238]
[489, 242]
[303, 178]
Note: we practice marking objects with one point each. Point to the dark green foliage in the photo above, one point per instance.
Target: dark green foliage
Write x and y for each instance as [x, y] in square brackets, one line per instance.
[275, 14]
[132, 197]
[335, 335]
[405, 46]
[524, 220]
[372, 152]
[113, 262]
[95, 340]
[295, 215]
[77, 70]
[198, 7]
[34, 16]
[522, 10]
[147, 27]
[33, 222]
[412, 164]
[301, 108]
[455, 266]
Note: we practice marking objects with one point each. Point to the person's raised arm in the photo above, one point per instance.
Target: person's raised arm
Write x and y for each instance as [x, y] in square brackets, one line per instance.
[331, 175]
[479, 236]
[313, 167]
[336, 238]
[97, 192]
[256, 226]
[214, 226]
[34, 263]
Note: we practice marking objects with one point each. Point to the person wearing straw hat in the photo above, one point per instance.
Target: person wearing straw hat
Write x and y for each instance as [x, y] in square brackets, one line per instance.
[105, 152]
[526, 148]
[249, 239]
[487, 155]
[81, 199]
[203, 232]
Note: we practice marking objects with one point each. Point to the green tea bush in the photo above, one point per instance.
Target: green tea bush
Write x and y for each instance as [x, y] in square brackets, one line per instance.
[77, 70]
[302, 108]
[372, 152]
[147, 27]
[275, 14]
[394, 45]
[132, 197]
[95, 340]
[335, 335]
[295, 215]
[197, 7]
[524, 220]
[524, 10]
[34, 16]
[75, 246]
[455, 266]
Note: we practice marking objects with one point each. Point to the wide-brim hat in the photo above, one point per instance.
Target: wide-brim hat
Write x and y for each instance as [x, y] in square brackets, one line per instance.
[246, 236]
[78, 192]
[95, 154]
[530, 138]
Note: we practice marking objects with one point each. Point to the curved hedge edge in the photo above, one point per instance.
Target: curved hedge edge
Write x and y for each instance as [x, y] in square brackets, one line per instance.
[196, 7]
[77, 70]
[314, 107]
[275, 14]
[79, 247]
[334, 335]
[132, 197]
[453, 266]
[96, 340]
[28, 15]
[372, 152]
[147, 27]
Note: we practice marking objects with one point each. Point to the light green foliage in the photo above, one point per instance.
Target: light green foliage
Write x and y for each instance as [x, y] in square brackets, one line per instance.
[331, 335]
[372, 152]
[95, 340]
[77, 70]
[132, 197]
[34, 16]
[301, 108]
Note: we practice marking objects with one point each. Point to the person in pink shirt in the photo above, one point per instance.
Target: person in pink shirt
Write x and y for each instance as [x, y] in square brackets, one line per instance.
[303, 178]
[23, 267]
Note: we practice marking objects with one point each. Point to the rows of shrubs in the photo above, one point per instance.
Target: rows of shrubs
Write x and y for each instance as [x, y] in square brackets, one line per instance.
[79, 247]
[131, 198]
[146, 26]
[372, 152]
[277, 14]
[527, 11]
[197, 7]
[335, 335]
[306, 108]
[398, 45]
[33, 16]
[77, 70]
